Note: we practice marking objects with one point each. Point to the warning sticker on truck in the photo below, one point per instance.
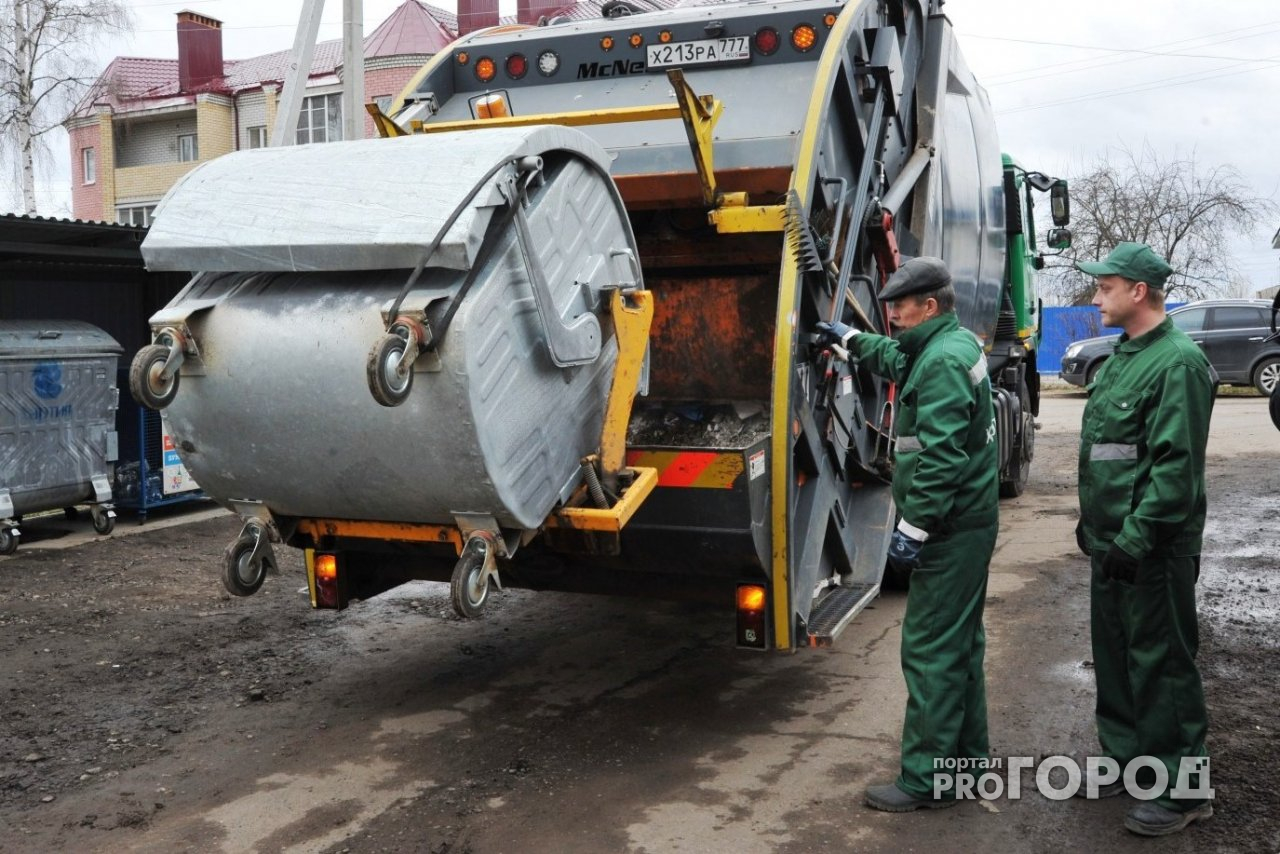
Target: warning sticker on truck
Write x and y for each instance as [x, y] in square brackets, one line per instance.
[756, 462]
[176, 477]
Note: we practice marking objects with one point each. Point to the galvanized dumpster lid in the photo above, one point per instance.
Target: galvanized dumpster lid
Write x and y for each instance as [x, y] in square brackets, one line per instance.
[30, 339]
[370, 204]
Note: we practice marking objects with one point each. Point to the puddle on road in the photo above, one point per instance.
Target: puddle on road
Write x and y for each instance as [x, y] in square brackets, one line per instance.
[1073, 671]
[1240, 571]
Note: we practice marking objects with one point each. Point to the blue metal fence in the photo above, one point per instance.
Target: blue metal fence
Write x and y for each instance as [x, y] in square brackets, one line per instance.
[1059, 326]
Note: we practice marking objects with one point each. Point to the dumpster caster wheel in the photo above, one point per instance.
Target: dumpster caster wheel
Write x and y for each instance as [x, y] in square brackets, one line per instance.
[104, 521]
[469, 586]
[245, 566]
[8, 540]
[390, 363]
[146, 378]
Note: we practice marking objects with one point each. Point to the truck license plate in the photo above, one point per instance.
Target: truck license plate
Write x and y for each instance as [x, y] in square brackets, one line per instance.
[702, 52]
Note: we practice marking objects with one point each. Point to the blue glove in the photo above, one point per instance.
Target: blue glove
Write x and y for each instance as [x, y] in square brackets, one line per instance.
[835, 333]
[904, 552]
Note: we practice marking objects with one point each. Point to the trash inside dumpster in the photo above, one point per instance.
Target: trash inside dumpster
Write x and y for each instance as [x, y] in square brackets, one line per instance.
[58, 400]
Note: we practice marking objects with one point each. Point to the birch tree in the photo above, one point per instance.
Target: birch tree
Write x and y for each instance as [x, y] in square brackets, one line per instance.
[45, 65]
[1186, 211]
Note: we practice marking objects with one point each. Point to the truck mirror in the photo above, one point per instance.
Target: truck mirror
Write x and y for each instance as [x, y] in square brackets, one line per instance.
[1059, 238]
[1060, 203]
[1039, 181]
[1275, 309]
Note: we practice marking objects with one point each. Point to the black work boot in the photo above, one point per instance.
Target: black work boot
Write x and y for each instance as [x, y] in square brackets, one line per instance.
[1150, 819]
[892, 799]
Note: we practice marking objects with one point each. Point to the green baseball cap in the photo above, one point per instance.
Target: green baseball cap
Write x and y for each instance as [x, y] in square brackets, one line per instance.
[1135, 261]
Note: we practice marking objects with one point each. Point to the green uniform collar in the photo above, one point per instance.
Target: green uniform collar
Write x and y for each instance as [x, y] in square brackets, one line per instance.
[912, 341]
[1146, 339]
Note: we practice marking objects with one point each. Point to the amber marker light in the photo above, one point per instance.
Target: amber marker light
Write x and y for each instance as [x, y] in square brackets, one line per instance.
[635, 40]
[753, 619]
[463, 57]
[606, 43]
[803, 38]
[326, 567]
[829, 19]
[492, 107]
[327, 588]
[664, 36]
[751, 597]
[485, 69]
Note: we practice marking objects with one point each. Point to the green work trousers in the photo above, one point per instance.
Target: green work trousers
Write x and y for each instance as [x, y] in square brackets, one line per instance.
[943, 643]
[1145, 638]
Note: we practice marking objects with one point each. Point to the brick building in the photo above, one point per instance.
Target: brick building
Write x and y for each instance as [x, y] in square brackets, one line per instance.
[146, 122]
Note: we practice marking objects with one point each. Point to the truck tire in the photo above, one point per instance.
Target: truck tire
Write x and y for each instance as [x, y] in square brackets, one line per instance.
[1024, 447]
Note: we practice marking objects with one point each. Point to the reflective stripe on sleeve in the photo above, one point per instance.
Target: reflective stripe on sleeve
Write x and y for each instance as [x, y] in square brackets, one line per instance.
[979, 370]
[1103, 453]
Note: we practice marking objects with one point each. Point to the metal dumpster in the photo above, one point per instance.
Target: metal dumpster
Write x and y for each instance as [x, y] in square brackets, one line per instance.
[58, 400]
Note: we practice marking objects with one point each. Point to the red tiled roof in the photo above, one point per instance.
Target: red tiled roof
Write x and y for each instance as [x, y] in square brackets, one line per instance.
[413, 28]
[250, 73]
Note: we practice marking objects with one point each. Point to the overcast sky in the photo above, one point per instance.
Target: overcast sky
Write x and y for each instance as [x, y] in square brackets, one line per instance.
[1068, 81]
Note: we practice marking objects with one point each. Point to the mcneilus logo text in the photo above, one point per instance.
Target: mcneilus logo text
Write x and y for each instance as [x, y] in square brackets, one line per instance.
[1145, 778]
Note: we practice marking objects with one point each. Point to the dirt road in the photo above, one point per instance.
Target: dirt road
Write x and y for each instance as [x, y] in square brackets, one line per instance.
[144, 710]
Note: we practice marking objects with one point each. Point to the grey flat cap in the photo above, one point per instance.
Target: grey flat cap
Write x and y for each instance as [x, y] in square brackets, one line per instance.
[917, 276]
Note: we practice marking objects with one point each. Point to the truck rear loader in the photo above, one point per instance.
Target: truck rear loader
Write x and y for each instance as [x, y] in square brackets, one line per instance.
[556, 328]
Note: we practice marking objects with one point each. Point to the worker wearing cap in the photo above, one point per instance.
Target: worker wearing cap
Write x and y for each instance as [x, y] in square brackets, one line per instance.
[1142, 509]
[945, 484]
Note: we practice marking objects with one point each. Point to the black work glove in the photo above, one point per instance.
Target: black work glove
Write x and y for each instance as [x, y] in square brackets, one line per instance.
[1119, 565]
[904, 552]
[1080, 541]
[835, 333]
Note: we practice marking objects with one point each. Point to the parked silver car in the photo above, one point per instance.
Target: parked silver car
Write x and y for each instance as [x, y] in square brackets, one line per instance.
[1236, 335]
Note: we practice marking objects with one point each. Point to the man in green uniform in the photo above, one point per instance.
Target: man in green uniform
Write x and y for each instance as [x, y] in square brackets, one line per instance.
[945, 484]
[1142, 508]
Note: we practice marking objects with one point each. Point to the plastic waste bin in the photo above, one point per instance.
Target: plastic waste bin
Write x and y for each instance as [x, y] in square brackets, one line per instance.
[58, 400]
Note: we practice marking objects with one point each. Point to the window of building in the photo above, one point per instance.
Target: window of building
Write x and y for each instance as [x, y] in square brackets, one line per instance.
[187, 148]
[89, 160]
[257, 136]
[137, 215]
[320, 119]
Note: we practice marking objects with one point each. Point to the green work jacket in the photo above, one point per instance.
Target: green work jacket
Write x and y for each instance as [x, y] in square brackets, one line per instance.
[945, 475]
[1142, 445]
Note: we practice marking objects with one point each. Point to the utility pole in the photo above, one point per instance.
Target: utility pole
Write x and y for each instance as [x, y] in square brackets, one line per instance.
[352, 69]
[285, 131]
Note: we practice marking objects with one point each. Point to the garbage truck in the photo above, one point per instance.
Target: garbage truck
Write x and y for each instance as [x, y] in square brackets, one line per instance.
[555, 327]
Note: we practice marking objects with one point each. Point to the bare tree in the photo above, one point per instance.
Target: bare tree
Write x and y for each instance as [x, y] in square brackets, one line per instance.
[1186, 213]
[44, 67]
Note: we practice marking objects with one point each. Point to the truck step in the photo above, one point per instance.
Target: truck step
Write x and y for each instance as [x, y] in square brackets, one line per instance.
[836, 610]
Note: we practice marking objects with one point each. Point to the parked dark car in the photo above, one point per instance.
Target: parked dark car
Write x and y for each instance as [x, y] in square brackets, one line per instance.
[1236, 335]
